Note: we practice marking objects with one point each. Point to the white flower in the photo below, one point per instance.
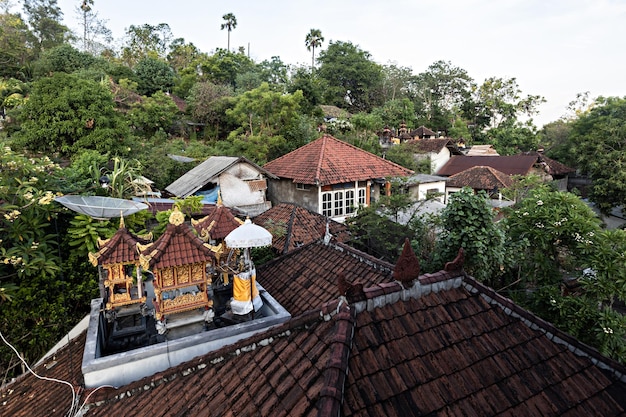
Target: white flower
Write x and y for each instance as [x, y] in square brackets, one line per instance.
[47, 198]
[12, 215]
[607, 330]
[539, 225]
[539, 203]
[525, 213]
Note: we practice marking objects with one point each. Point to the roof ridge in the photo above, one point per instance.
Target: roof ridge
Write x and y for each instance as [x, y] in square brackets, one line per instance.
[289, 229]
[336, 370]
[318, 169]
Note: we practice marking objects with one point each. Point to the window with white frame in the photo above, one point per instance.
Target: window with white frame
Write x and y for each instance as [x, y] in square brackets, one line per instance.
[350, 202]
[342, 202]
[361, 196]
[338, 203]
[327, 204]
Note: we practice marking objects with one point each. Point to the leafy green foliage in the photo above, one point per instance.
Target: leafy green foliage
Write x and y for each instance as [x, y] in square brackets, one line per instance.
[554, 227]
[84, 233]
[353, 80]
[153, 75]
[153, 113]
[67, 114]
[468, 222]
[598, 139]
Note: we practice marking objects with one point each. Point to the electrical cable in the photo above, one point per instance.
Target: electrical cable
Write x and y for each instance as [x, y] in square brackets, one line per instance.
[44, 378]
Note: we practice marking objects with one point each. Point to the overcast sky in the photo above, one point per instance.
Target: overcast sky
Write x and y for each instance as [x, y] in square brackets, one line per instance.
[554, 48]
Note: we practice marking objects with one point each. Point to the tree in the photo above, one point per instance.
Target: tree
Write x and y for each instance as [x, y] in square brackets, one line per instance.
[549, 229]
[352, 79]
[44, 18]
[312, 88]
[502, 101]
[224, 66]
[230, 23]
[31, 263]
[153, 75]
[468, 222]
[15, 52]
[63, 58]
[146, 41]
[265, 112]
[396, 81]
[598, 139]
[208, 103]
[66, 114]
[94, 29]
[439, 94]
[152, 114]
[314, 39]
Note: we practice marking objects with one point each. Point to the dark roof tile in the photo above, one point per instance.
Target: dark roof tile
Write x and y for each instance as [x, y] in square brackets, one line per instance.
[510, 165]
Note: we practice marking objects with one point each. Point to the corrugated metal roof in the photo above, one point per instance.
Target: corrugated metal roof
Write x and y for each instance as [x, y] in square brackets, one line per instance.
[206, 172]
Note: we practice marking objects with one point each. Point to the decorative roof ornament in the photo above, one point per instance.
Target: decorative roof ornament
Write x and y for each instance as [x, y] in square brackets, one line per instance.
[352, 292]
[407, 267]
[177, 217]
[457, 263]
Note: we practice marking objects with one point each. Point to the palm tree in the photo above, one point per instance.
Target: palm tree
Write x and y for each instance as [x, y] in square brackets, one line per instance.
[231, 23]
[313, 40]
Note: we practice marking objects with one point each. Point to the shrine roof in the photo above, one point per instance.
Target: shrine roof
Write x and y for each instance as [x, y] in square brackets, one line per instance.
[293, 226]
[218, 224]
[121, 248]
[328, 160]
[190, 249]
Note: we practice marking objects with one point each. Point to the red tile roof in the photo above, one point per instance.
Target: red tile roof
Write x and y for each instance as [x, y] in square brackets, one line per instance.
[189, 250]
[430, 145]
[293, 226]
[510, 165]
[551, 166]
[328, 160]
[480, 178]
[446, 346]
[306, 278]
[121, 248]
[218, 224]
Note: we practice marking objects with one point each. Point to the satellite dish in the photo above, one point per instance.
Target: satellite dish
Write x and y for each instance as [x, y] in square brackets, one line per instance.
[101, 208]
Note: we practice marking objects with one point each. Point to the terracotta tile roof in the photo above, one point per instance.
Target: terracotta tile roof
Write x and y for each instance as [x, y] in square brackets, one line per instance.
[421, 132]
[328, 160]
[293, 226]
[480, 178]
[445, 346]
[121, 248]
[306, 278]
[190, 248]
[551, 166]
[510, 165]
[430, 145]
[29, 396]
[218, 224]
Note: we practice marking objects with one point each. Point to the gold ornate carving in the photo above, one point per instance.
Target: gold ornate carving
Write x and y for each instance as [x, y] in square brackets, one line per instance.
[183, 300]
[167, 277]
[177, 217]
[182, 274]
[198, 273]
